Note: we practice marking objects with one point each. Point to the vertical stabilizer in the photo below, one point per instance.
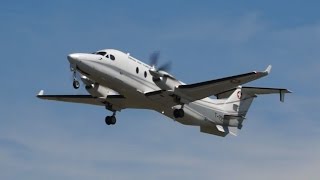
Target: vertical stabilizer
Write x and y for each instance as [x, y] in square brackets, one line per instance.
[238, 103]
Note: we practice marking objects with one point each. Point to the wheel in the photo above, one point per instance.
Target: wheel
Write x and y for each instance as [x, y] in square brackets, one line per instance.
[76, 84]
[110, 120]
[107, 120]
[181, 113]
[113, 120]
[178, 113]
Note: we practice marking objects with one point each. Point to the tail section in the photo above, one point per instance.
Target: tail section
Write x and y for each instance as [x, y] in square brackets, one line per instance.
[239, 100]
[237, 104]
[235, 109]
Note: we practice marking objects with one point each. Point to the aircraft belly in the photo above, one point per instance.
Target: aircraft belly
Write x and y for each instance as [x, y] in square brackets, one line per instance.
[191, 117]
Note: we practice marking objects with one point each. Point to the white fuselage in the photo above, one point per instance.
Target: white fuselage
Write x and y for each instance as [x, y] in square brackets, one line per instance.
[132, 79]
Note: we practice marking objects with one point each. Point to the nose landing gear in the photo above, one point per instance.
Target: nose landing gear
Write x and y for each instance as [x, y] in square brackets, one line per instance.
[76, 83]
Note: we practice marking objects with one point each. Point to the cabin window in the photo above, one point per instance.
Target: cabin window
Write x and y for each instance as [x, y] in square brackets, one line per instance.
[112, 57]
[137, 70]
[145, 74]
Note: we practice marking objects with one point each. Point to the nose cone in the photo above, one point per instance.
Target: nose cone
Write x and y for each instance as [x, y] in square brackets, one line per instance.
[73, 58]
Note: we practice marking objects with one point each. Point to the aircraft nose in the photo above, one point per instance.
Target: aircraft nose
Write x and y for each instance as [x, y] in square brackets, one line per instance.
[73, 58]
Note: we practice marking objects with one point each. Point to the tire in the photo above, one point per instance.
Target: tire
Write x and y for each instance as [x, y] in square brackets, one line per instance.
[113, 120]
[76, 84]
[107, 120]
[178, 113]
[181, 113]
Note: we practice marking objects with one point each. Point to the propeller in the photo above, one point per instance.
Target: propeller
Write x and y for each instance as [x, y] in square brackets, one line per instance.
[154, 58]
[165, 67]
[155, 71]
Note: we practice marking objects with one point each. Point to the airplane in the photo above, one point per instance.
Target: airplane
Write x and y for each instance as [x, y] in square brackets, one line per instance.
[118, 81]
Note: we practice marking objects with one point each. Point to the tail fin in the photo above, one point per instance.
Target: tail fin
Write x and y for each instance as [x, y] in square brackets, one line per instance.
[238, 103]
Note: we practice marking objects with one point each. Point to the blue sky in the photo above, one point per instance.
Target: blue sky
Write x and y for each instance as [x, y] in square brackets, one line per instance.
[204, 40]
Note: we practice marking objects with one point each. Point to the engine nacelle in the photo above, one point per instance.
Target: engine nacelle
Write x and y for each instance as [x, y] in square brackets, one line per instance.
[96, 90]
[166, 83]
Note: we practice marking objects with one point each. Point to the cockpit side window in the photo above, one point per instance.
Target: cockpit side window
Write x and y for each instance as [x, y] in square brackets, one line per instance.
[101, 53]
[112, 57]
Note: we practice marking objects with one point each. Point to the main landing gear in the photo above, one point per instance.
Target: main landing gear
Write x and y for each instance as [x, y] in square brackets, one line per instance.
[111, 120]
[178, 113]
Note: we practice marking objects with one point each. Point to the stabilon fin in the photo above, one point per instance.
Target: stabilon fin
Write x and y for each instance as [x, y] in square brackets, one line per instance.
[228, 129]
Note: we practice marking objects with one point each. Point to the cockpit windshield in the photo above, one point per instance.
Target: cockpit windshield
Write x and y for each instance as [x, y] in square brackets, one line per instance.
[104, 53]
[101, 53]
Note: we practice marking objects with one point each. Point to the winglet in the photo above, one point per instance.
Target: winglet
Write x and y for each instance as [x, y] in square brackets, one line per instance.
[268, 70]
[282, 94]
[40, 93]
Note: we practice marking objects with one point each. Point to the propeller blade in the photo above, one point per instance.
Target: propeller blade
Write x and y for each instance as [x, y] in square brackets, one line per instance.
[158, 72]
[165, 67]
[154, 58]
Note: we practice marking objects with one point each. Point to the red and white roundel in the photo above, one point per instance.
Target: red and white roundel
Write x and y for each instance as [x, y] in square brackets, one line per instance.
[239, 94]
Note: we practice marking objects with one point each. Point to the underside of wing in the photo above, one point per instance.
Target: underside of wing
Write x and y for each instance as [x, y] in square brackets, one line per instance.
[197, 91]
[82, 99]
[162, 97]
[111, 102]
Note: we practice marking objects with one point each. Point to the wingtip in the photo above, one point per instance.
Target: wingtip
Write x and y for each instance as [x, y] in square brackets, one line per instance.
[41, 92]
[268, 70]
[282, 94]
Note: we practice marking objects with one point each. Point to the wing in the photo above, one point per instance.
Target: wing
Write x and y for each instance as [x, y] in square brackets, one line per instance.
[162, 97]
[82, 99]
[193, 92]
[112, 102]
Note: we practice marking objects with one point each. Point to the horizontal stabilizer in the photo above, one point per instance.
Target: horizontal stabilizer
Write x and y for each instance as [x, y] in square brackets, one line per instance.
[256, 91]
